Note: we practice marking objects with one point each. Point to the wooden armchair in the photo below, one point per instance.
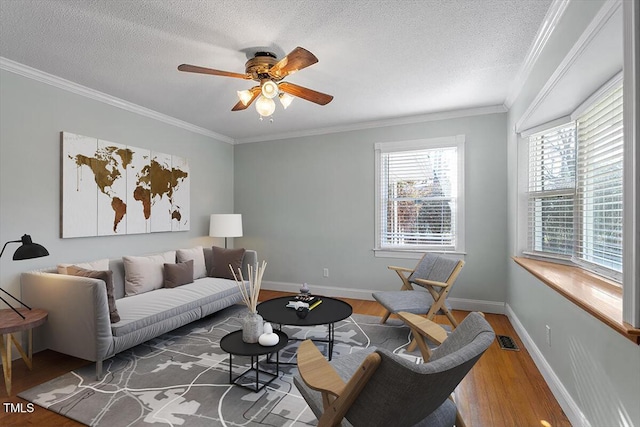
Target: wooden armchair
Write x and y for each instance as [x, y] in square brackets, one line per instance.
[436, 274]
[376, 387]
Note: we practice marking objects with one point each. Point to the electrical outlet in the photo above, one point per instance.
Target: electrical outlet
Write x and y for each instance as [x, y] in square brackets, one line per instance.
[548, 335]
[325, 272]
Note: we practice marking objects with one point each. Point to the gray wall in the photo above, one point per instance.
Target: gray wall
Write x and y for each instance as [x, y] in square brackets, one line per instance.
[32, 115]
[594, 370]
[308, 203]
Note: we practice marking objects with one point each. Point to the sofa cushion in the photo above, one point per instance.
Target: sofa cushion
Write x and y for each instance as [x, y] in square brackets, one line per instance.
[99, 265]
[107, 277]
[178, 274]
[197, 255]
[145, 273]
[140, 311]
[221, 260]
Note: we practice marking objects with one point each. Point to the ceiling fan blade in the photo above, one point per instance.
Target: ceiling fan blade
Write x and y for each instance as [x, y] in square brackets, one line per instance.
[304, 93]
[255, 91]
[297, 59]
[202, 70]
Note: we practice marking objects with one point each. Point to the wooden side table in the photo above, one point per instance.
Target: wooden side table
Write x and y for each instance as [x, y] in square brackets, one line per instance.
[11, 323]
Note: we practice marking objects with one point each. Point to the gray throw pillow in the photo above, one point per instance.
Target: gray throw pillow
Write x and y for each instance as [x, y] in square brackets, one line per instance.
[178, 274]
[107, 277]
[222, 258]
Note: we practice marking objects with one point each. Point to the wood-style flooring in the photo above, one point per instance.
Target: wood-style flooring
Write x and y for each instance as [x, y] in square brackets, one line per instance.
[503, 389]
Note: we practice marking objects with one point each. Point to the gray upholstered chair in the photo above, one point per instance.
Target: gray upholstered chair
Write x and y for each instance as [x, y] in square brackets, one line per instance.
[436, 274]
[375, 387]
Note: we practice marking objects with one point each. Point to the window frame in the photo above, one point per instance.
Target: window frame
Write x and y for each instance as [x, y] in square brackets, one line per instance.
[523, 228]
[457, 141]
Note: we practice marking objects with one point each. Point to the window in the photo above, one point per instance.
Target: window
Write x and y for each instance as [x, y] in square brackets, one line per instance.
[552, 172]
[599, 184]
[419, 195]
[575, 188]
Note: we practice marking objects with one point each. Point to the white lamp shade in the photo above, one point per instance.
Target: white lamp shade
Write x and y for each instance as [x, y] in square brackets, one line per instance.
[269, 89]
[265, 106]
[285, 100]
[245, 96]
[225, 225]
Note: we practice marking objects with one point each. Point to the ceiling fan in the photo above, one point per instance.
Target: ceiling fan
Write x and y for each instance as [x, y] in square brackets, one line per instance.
[265, 69]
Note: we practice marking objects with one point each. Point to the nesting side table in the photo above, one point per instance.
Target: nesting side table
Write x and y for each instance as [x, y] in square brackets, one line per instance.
[232, 343]
[11, 323]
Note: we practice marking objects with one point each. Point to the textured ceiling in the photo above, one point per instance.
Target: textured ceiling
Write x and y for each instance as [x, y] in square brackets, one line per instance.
[380, 59]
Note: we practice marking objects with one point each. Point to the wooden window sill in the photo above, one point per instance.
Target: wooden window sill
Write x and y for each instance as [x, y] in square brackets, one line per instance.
[596, 295]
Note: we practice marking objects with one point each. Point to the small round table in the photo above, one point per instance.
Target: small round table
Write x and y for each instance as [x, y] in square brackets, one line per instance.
[232, 343]
[10, 323]
[330, 311]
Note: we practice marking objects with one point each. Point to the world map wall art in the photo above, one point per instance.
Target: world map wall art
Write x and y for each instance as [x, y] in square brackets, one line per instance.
[113, 189]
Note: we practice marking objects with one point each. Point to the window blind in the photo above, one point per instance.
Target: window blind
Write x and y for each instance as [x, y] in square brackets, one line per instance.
[418, 193]
[599, 185]
[551, 191]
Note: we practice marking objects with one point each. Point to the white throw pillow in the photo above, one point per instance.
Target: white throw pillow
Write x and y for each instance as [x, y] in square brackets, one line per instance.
[99, 265]
[145, 273]
[197, 255]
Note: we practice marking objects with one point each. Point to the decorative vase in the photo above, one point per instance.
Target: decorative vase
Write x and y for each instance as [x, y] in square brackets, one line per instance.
[252, 328]
[304, 289]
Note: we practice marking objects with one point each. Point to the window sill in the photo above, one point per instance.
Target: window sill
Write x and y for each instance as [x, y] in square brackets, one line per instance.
[597, 296]
[411, 253]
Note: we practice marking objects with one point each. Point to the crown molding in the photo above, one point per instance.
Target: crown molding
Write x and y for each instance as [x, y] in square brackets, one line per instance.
[41, 76]
[453, 114]
[551, 19]
[592, 30]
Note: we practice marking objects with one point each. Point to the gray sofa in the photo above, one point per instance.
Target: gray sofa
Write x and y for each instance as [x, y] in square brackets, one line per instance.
[79, 323]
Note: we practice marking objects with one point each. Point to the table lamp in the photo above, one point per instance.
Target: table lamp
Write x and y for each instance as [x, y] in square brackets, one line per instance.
[225, 225]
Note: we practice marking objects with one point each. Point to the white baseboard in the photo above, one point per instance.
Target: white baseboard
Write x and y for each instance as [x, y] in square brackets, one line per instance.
[568, 405]
[494, 307]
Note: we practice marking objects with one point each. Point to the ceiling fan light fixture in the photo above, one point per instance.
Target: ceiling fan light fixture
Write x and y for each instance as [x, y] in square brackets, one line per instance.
[245, 96]
[285, 99]
[269, 89]
[265, 106]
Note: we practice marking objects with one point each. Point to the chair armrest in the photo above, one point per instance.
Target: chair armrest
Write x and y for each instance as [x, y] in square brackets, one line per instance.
[425, 282]
[319, 375]
[426, 327]
[400, 269]
[316, 372]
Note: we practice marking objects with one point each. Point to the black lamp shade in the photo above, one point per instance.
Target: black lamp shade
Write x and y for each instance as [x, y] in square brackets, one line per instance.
[29, 249]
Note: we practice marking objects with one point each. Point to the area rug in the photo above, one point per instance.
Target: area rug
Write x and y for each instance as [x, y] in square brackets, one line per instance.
[182, 378]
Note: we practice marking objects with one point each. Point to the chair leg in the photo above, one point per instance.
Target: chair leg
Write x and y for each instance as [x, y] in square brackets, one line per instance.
[449, 315]
[385, 317]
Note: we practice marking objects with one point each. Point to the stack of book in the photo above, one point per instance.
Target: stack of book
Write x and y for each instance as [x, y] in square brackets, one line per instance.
[312, 300]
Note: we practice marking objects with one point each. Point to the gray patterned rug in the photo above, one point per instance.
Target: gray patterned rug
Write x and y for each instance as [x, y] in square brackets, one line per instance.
[181, 378]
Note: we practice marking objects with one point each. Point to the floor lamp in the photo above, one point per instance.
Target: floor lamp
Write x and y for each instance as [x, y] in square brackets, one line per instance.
[27, 250]
[225, 225]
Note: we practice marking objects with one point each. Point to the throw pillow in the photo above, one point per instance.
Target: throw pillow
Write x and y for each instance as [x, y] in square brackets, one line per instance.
[197, 255]
[145, 273]
[99, 265]
[178, 274]
[222, 258]
[107, 277]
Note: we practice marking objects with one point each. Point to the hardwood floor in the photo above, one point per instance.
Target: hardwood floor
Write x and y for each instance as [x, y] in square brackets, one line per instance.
[503, 389]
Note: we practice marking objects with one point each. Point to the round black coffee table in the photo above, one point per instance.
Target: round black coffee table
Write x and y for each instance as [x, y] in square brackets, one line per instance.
[330, 311]
[232, 343]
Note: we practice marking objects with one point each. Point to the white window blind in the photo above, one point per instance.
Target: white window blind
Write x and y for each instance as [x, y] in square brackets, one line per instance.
[574, 195]
[599, 185]
[418, 194]
[551, 191]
